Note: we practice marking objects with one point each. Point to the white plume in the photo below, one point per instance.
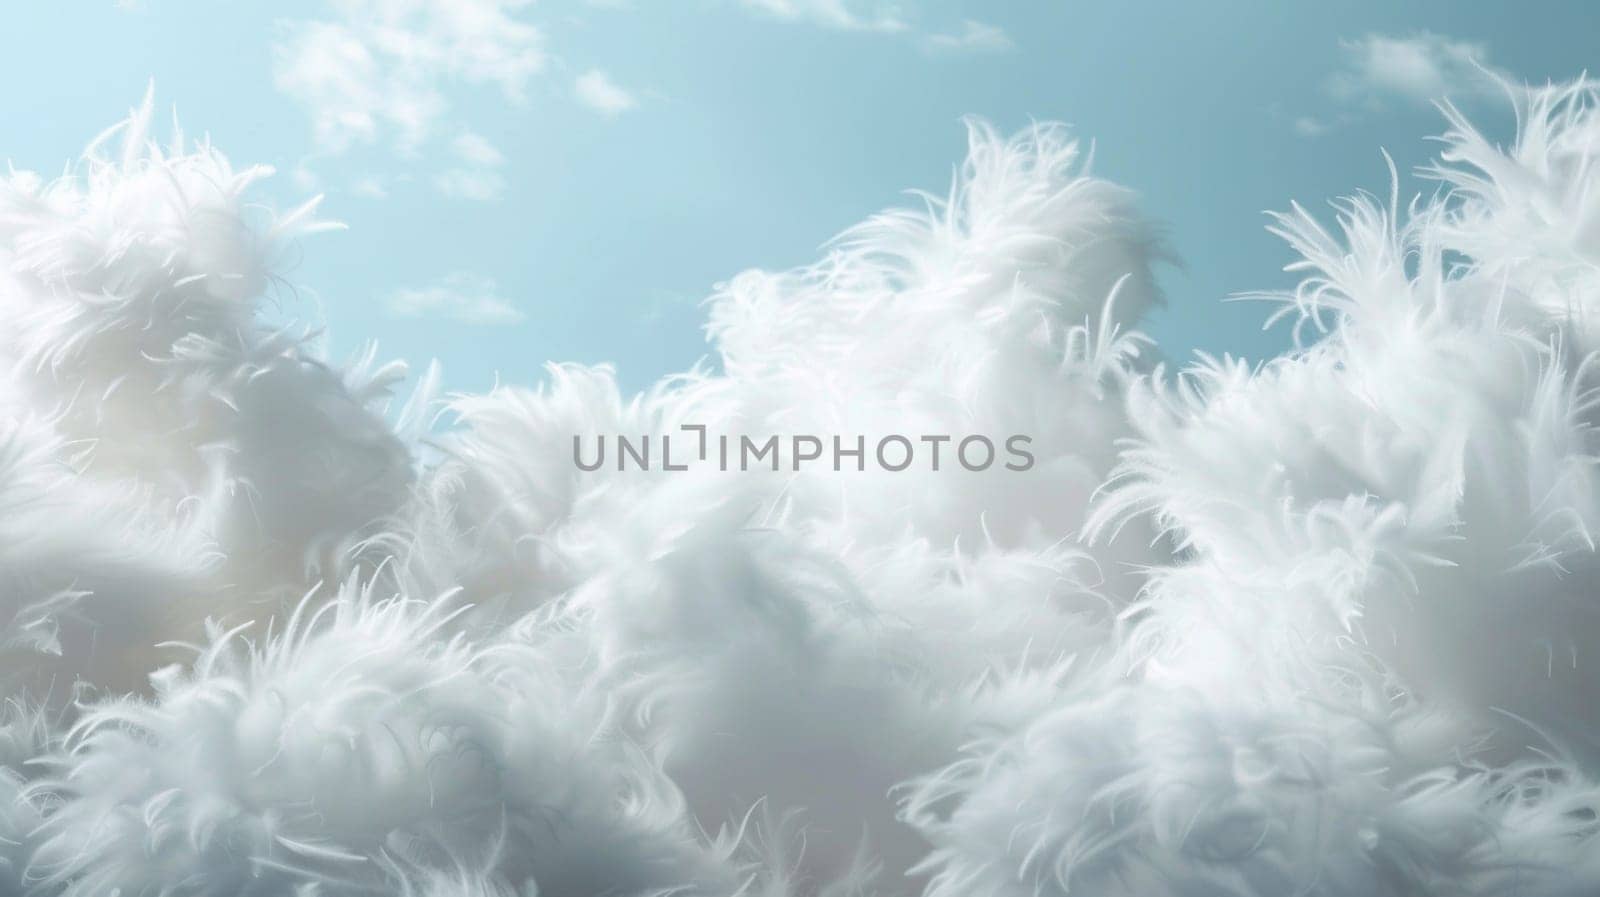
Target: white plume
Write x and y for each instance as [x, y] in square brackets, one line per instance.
[1318, 626]
[1370, 672]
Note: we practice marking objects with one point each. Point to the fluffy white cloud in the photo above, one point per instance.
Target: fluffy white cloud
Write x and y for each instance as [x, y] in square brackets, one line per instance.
[1422, 68]
[463, 296]
[596, 90]
[476, 174]
[1317, 626]
[584, 677]
[381, 68]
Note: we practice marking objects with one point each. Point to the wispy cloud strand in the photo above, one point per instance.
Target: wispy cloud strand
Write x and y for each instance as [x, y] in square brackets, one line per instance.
[379, 69]
[972, 37]
[1417, 69]
[596, 90]
[476, 173]
[841, 14]
[1421, 68]
[463, 297]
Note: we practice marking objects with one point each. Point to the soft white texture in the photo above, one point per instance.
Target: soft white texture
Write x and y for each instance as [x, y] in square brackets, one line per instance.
[1320, 626]
[1370, 673]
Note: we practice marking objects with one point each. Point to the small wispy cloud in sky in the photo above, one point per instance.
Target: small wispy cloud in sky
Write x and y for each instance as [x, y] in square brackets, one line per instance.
[841, 14]
[1421, 68]
[1311, 126]
[476, 174]
[972, 37]
[369, 188]
[463, 296]
[596, 90]
[379, 69]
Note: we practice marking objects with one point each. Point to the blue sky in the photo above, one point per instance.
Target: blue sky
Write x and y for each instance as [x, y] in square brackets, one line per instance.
[561, 181]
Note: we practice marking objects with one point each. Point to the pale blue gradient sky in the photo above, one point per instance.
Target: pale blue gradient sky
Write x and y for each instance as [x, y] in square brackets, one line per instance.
[752, 139]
